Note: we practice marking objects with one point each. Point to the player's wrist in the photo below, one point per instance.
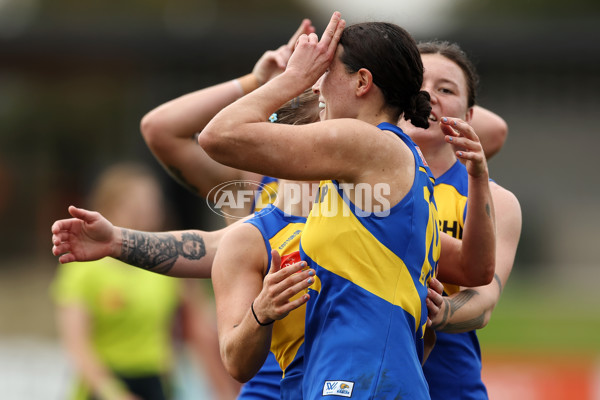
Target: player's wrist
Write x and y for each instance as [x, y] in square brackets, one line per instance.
[120, 244]
[266, 321]
[248, 83]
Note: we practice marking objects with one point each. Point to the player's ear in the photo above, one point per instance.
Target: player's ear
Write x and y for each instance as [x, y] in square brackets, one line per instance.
[364, 82]
[469, 115]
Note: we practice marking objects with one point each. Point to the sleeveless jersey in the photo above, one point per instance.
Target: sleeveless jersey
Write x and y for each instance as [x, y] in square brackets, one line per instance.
[453, 369]
[282, 232]
[366, 315]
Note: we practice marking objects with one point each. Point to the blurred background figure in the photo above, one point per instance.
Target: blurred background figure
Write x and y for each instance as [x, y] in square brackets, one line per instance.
[118, 323]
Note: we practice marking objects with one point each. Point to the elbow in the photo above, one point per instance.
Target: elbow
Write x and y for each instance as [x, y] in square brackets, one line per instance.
[480, 277]
[486, 319]
[211, 142]
[238, 374]
[236, 367]
[236, 371]
[207, 140]
[150, 128]
[485, 277]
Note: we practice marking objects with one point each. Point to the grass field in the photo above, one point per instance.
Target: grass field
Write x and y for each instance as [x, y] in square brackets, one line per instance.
[543, 343]
[541, 318]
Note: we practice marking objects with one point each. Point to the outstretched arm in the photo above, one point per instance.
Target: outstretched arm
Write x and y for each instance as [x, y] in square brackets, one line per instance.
[470, 261]
[169, 130]
[248, 302]
[471, 308]
[89, 236]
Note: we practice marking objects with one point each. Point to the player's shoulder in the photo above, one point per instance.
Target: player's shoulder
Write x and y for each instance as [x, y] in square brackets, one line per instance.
[243, 231]
[501, 192]
[505, 200]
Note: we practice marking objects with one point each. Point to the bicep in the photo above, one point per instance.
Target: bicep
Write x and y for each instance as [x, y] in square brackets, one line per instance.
[337, 149]
[237, 274]
[508, 230]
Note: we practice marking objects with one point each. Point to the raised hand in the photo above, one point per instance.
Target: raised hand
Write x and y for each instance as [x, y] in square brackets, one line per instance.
[468, 147]
[280, 285]
[311, 56]
[87, 236]
[274, 62]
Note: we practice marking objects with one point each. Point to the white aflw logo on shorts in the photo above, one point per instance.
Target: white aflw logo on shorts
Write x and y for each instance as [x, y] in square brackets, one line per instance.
[338, 388]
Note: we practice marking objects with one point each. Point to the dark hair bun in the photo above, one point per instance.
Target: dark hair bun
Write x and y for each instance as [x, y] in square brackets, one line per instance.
[418, 110]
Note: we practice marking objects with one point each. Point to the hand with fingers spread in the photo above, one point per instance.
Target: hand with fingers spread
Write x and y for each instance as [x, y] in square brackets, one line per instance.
[274, 62]
[463, 137]
[284, 290]
[87, 236]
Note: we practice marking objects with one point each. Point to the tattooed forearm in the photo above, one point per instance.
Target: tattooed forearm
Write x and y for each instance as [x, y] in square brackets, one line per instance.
[158, 252]
[444, 320]
[451, 306]
[461, 299]
[465, 326]
[488, 210]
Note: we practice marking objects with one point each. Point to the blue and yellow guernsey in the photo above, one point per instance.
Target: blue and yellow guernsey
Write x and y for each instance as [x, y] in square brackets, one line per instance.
[282, 232]
[366, 314]
[453, 369]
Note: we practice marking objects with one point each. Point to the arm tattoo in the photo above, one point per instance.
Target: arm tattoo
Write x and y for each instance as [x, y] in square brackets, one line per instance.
[461, 299]
[444, 320]
[497, 278]
[178, 176]
[465, 326]
[452, 306]
[158, 252]
[488, 210]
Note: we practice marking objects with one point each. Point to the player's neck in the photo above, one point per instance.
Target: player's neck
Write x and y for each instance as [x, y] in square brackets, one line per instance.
[440, 159]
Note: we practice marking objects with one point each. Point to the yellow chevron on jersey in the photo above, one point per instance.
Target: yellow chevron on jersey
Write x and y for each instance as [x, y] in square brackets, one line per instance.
[267, 194]
[355, 260]
[282, 232]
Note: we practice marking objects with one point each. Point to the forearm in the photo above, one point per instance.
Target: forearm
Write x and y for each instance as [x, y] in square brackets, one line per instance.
[171, 129]
[229, 133]
[245, 347]
[184, 116]
[468, 309]
[186, 254]
[478, 250]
